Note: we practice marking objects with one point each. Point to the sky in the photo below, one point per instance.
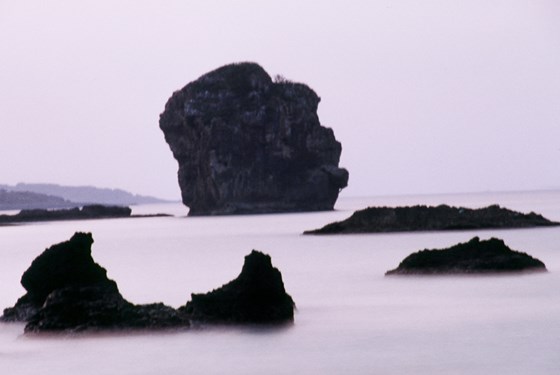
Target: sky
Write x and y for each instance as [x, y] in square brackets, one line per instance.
[435, 96]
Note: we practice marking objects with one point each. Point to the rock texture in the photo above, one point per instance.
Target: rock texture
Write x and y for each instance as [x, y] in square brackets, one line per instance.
[68, 291]
[246, 144]
[426, 218]
[97, 308]
[257, 295]
[473, 257]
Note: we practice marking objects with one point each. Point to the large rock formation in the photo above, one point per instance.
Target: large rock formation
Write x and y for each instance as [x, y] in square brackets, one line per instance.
[473, 257]
[68, 291]
[246, 144]
[257, 295]
[426, 218]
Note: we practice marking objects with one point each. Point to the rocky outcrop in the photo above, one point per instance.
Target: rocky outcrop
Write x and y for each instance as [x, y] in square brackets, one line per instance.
[95, 308]
[67, 264]
[246, 144]
[257, 295]
[473, 257]
[426, 218]
[94, 211]
[88, 212]
[68, 291]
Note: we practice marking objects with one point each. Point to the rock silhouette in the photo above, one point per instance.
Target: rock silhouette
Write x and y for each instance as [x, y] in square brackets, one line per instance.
[95, 308]
[257, 295]
[62, 265]
[427, 218]
[68, 291]
[472, 257]
[246, 144]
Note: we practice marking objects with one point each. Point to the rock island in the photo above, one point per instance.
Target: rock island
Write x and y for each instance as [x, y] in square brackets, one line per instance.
[246, 144]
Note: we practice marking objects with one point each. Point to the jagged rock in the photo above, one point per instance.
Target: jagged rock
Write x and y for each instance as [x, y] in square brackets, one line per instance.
[22, 311]
[68, 291]
[62, 265]
[426, 218]
[475, 256]
[246, 144]
[257, 295]
[98, 308]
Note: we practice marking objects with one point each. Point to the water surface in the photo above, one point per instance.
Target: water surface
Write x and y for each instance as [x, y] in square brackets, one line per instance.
[349, 319]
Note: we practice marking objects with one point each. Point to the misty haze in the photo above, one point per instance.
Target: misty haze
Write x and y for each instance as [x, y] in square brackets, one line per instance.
[160, 164]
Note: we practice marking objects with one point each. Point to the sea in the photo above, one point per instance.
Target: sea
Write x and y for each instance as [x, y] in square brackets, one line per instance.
[350, 318]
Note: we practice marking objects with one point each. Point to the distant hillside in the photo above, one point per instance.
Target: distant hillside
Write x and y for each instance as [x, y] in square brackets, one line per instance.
[20, 200]
[84, 194]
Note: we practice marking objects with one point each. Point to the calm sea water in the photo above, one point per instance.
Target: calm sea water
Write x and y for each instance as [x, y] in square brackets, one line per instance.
[350, 318]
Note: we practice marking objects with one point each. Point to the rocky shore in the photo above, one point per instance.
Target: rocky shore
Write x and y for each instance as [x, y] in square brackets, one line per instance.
[430, 218]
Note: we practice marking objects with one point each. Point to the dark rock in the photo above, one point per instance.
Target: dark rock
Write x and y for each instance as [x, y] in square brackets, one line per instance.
[68, 291]
[257, 295]
[22, 311]
[475, 256]
[426, 218]
[62, 265]
[95, 308]
[246, 144]
[65, 264]
[93, 211]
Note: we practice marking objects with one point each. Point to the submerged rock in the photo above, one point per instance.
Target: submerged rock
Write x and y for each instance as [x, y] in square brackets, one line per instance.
[473, 257]
[257, 295]
[426, 218]
[68, 291]
[246, 144]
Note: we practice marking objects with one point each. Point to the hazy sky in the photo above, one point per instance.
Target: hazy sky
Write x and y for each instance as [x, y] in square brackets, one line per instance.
[425, 96]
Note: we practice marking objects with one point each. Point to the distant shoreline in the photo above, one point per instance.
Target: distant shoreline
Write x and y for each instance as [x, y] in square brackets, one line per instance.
[52, 196]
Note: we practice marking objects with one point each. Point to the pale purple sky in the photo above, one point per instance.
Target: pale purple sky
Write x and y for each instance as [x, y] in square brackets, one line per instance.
[425, 96]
